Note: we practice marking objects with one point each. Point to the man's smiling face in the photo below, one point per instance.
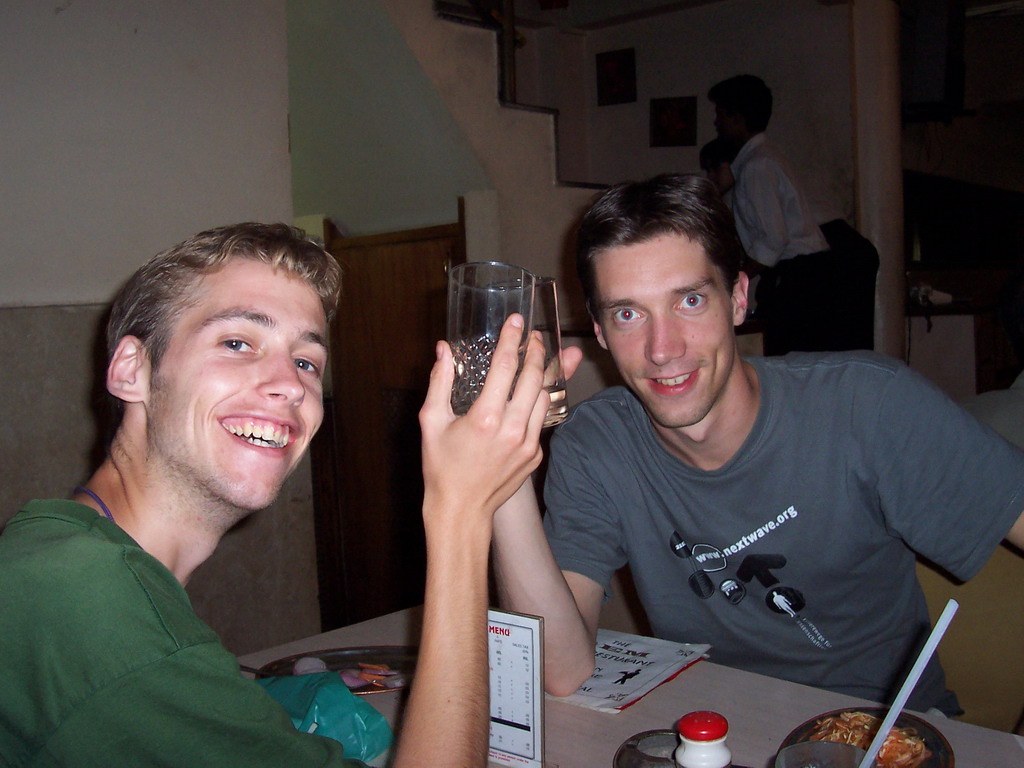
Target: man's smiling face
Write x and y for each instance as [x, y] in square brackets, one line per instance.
[238, 393]
[668, 320]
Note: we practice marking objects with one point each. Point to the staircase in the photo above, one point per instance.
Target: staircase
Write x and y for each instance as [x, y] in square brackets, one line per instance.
[527, 216]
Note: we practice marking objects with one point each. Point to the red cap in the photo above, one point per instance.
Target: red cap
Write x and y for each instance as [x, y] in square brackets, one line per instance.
[702, 726]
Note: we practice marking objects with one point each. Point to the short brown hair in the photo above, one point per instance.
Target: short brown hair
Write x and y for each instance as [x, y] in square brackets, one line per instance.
[159, 291]
[635, 212]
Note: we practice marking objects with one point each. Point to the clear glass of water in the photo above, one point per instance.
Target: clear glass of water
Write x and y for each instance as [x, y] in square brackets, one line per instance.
[481, 296]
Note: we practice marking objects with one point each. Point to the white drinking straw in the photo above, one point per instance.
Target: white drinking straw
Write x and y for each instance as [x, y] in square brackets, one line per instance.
[910, 682]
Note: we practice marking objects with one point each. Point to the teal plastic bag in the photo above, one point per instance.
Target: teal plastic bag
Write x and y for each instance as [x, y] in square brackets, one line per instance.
[321, 703]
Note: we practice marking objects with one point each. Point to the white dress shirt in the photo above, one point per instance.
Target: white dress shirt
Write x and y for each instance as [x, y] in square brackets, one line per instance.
[772, 216]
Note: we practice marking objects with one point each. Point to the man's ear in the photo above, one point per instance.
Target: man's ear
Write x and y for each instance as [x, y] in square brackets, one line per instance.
[740, 299]
[129, 371]
[600, 335]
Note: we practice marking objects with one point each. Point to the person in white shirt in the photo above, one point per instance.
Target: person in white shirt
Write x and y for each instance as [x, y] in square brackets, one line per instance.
[783, 242]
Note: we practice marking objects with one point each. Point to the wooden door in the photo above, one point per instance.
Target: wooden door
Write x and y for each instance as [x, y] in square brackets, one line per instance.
[366, 462]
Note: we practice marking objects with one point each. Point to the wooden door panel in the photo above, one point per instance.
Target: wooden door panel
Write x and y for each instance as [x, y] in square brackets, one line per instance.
[391, 313]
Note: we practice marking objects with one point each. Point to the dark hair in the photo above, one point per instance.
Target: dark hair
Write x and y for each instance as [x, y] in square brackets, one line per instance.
[716, 152]
[746, 95]
[637, 211]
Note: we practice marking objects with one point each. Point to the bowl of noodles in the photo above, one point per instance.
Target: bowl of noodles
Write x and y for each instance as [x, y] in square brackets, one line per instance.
[912, 742]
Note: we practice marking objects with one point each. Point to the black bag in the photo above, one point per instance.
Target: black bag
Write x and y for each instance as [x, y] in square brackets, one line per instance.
[821, 301]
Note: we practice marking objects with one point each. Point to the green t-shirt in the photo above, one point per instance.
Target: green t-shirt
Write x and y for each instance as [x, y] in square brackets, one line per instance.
[104, 663]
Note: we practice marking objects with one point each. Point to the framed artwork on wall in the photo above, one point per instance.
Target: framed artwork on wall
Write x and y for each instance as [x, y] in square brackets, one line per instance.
[674, 122]
[616, 77]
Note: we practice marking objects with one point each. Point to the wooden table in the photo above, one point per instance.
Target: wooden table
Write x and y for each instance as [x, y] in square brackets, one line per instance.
[761, 710]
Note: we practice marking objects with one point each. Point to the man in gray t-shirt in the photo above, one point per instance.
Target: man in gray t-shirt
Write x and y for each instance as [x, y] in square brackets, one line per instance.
[770, 507]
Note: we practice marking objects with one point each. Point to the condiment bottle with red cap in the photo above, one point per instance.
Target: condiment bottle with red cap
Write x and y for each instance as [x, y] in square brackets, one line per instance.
[702, 741]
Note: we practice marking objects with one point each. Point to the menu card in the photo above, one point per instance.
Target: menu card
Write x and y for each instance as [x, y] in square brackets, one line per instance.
[628, 667]
[516, 661]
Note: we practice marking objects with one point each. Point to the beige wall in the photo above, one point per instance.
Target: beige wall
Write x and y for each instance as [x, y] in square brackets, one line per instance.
[127, 127]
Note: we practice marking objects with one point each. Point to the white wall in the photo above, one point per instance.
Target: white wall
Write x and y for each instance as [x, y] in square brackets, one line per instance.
[801, 48]
[125, 127]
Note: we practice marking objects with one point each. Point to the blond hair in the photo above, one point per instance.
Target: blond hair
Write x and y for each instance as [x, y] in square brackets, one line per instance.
[155, 296]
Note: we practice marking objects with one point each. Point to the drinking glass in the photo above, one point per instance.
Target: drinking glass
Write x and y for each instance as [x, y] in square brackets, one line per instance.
[481, 296]
[545, 320]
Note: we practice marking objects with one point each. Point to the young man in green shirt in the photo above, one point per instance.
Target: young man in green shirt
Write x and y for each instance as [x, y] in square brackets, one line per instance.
[217, 349]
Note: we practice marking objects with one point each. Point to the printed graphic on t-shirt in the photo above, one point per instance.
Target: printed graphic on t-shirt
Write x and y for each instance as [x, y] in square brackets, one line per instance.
[755, 574]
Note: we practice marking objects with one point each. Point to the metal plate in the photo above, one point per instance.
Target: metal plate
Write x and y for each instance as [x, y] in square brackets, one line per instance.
[401, 658]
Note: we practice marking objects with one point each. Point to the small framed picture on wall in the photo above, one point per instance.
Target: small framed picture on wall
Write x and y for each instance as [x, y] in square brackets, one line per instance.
[616, 77]
[674, 122]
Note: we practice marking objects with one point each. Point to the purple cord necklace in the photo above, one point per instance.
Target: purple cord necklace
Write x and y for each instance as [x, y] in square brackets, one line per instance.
[98, 500]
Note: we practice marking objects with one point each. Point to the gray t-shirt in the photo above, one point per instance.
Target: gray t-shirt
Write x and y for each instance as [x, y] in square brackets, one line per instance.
[796, 558]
